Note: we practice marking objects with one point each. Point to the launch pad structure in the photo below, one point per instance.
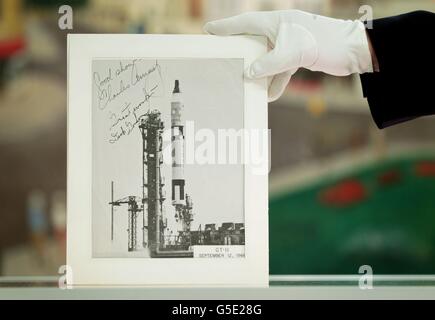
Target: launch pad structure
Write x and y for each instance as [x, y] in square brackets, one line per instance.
[151, 205]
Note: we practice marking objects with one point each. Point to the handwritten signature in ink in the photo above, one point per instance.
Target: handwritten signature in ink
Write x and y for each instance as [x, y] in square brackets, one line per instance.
[106, 93]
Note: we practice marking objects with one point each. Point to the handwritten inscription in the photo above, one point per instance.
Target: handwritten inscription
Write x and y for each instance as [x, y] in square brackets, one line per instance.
[123, 92]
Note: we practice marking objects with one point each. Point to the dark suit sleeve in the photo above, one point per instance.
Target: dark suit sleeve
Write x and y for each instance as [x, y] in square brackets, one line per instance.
[404, 88]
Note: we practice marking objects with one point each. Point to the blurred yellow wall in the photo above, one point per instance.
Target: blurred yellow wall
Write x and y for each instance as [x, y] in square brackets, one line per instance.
[10, 19]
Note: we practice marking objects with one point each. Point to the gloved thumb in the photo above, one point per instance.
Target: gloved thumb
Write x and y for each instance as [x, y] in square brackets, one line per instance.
[279, 84]
[294, 48]
[273, 62]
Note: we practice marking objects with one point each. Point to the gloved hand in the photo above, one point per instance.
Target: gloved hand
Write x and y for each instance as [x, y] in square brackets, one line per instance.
[300, 39]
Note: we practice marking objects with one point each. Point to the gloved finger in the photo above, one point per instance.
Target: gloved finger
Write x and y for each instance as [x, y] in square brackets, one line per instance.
[245, 23]
[278, 60]
[279, 84]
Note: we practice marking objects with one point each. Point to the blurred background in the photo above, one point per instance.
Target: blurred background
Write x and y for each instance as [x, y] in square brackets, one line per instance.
[342, 193]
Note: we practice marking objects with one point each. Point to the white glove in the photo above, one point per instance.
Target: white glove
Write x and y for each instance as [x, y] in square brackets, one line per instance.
[300, 39]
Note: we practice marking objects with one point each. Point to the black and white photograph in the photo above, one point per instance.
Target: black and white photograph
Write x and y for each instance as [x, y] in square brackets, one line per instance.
[160, 185]
[167, 141]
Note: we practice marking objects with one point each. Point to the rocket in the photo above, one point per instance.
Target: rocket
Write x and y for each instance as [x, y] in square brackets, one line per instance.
[180, 200]
[177, 140]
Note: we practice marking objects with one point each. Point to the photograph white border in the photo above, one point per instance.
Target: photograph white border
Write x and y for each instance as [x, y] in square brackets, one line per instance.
[253, 270]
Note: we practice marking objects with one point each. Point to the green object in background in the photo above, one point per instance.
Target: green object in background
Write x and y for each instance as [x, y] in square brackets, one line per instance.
[2, 73]
[392, 230]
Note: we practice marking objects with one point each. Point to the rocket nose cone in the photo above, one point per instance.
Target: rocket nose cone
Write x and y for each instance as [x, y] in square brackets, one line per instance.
[176, 87]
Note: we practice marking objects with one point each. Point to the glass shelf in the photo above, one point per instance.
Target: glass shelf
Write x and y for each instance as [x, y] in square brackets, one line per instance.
[281, 287]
